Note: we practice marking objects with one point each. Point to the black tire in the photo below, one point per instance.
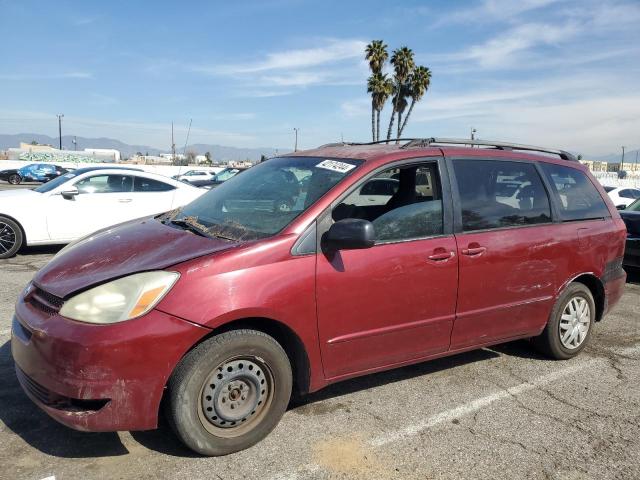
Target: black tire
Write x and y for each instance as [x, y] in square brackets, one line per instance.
[192, 418]
[14, 179]
[11, 237]
[550, 341]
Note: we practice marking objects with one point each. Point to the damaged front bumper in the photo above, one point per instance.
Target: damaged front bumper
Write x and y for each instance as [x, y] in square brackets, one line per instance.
[98, 377]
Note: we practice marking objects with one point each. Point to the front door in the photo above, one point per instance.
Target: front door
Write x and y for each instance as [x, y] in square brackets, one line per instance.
[394, 302]
[508, 251]
[102, 200]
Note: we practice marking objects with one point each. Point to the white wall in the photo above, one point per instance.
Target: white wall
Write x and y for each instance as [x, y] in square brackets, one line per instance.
[168, 170]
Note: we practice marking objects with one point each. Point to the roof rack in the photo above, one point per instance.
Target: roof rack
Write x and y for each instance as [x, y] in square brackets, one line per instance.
[350, 144]
[426, 142]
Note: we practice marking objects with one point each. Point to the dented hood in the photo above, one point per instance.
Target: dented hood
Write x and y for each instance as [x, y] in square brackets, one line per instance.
[131, 247]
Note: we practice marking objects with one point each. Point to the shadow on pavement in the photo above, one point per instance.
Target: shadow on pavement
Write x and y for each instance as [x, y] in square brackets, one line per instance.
[633, 275]
[40, 250]
[391, 376]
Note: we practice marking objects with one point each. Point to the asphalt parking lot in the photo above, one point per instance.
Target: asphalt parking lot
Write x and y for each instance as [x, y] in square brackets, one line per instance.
[503, 412]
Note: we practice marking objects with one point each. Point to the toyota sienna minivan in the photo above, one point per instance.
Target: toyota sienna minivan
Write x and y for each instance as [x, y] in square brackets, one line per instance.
[277, 284]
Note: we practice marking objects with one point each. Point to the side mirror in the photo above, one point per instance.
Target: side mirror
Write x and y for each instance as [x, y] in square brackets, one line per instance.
[69, 194]
[621, 207]
[350, 234]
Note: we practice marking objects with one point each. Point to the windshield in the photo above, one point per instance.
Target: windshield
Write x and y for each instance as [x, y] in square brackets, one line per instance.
[634, 207]
[264, 199]
[226, 174]
[56, 182]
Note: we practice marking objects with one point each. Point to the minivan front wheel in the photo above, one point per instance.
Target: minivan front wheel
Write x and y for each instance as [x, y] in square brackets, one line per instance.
[570, 324]
[229, 392]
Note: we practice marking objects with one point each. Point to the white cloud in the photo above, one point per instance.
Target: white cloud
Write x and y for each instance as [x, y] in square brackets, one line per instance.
[501, 49]
[334, 51]
[336, 62]
[494, 10]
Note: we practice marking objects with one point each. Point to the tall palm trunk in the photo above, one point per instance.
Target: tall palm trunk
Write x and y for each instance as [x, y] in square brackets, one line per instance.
[391, 120]
[373, 122]
[378, 125]
[393, 113]
[399, 123]
[406, 119]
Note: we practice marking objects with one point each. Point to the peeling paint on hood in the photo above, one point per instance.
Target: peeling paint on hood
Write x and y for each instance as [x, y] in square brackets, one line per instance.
[136, 246]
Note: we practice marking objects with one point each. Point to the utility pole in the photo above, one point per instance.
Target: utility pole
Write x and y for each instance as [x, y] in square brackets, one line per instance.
[60, 115]
[295, 148]
[622, 161]
[75, 143]
[173, 147]
[473, 135]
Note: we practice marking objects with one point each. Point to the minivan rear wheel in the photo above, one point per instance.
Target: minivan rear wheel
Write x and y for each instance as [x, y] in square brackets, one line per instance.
[229, 392]
[11, 237]
[570, 324]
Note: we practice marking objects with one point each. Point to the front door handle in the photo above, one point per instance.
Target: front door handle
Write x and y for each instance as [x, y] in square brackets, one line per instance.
[440, 255]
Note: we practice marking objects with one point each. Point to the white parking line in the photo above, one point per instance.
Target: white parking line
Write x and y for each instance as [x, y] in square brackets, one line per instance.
[457, 412]
[475, 405]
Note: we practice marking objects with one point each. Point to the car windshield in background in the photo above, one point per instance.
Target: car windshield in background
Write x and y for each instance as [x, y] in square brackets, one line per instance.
[56, 182]
[264, 199]
[634, 207]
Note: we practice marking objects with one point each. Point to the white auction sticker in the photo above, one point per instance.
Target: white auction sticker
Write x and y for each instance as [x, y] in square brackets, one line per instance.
[335, 166]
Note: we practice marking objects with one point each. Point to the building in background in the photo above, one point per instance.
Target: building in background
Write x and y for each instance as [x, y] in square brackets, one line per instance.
[28, 152]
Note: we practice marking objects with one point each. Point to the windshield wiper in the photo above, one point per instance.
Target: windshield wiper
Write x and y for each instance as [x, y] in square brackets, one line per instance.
[189, 226]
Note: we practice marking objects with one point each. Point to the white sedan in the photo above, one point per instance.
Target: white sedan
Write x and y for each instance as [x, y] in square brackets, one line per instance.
[623, 195]
[83, 201]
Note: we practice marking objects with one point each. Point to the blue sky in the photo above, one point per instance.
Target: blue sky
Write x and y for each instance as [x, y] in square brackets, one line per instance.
[554, 72]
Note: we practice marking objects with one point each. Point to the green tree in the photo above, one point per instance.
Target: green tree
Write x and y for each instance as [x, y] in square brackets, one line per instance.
[380, 87]
[418, 85]
[376, 54]
[403, 65]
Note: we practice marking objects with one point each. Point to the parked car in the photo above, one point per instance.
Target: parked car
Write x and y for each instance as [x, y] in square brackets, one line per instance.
[624, 196]
[82, 201]
[631, 217]
[227, 306]
[192, 175]
[35, 172]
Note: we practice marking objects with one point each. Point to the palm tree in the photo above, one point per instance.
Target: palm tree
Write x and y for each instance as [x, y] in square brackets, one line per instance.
[418, 86]
[380, 87]
[376, 54]
[400, 101]
[403, 65]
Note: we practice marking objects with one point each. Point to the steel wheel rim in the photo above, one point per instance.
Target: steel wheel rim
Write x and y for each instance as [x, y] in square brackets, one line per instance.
[7, 237]
[14, 180]
[244, 382]
[575, 322]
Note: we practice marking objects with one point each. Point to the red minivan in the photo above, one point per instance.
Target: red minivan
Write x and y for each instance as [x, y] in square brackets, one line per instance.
[311, 268]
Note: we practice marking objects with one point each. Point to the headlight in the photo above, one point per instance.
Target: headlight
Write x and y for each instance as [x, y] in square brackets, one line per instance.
[123, 299]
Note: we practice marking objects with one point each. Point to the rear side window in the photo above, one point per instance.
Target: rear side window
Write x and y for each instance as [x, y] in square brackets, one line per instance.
[496, 194]
[630, 193]
[576, 196]
[142, 184]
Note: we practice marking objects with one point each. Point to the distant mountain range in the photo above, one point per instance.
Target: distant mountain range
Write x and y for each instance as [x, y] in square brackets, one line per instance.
[218, 152]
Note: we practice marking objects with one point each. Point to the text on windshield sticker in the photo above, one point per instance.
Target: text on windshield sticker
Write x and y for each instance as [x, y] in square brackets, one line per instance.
[335, 166]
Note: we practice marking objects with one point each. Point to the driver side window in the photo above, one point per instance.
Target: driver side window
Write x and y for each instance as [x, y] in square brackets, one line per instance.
[411, 208]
